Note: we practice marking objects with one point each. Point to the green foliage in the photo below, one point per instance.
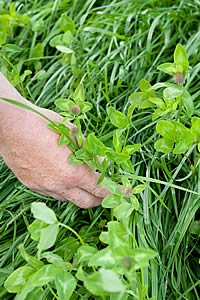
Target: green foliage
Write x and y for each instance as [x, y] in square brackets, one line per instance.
[86, 65]
[117, 118]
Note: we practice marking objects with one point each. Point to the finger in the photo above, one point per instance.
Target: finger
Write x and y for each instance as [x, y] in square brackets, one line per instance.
[50, 194]
[81, 198]
[89, 183]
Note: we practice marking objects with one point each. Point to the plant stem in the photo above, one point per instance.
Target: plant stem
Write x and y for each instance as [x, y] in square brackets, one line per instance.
[74, 232]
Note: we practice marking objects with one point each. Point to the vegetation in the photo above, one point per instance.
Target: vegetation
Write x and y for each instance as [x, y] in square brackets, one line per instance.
[119, 71]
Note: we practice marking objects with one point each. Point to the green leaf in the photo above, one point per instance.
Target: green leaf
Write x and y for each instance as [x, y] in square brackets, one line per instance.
[173, 92]
[118, 236]
[123, 211]
[36, 293]
[74, 161]
[37, 51]
[128, 166]
[141, 257]
[111, 201]
[130, 149]
[139, 188]
[103, 169]
[67, 38]
[111, 186]
[85, 252]
[25, 293]
[63, 140]
[164, 145]
[25, 74]
[134, 202]
[44, 275]
[143, 254]
[182, 132]
[38, 26]
[66, 23]
[126, 182]
[131, 110]
[64, 104]
[65, 284]
[64, 50]
[168, 68]
[102, 258]
[117, 143]
[35, 229]
[117, 118]
[195, 128]
[57, 41]
[180, 57]
[48, 237]
[80, 274]
[117, 157]
[94, 145]
[104, 237]
[182, 146]
[103, 282]
[82, 154]
[67, 116]
[166, 129]
[67, 248]
[18, 279]
[79, 93]
[195, 228]
[55, 127]
[159, 85]
[145, 87]
[140, 100]
[31, 260]
[42, 212]
[53, 258]
[188, 102]
[158, 102]
[86, 106]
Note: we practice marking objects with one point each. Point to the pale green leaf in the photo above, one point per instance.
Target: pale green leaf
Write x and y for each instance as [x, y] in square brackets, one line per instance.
[42, 212]
[48, 237]
[65, 284]
[44, 275]
[18, 279]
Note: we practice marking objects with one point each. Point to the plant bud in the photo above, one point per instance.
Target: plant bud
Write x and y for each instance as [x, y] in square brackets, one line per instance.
[75, 109]
[74, 131]
[179, 78]
[127, 191]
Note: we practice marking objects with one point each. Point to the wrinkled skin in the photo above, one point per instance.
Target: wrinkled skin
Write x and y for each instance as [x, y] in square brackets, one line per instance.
[30, 149]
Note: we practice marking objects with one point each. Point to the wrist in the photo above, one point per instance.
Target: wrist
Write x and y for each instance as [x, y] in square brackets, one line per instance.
[10, 110]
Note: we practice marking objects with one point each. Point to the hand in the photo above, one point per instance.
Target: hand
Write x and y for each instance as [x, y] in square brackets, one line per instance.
[31, 151]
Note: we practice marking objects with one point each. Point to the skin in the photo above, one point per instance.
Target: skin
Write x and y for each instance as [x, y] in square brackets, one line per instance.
[30, 149]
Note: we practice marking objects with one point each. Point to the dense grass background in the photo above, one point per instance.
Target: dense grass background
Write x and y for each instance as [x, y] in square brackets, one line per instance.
[117, 43]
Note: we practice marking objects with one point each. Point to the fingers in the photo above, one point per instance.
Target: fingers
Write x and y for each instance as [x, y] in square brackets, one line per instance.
[81, 198]
[50, 194]
[89, 183]
[77, 196]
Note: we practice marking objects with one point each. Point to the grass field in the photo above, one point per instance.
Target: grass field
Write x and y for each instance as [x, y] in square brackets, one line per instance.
[114, 44]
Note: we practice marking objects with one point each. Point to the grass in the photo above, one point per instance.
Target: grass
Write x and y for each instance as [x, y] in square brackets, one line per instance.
[117, 43]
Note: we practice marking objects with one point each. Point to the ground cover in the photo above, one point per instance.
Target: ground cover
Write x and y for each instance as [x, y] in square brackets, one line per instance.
[47, 48]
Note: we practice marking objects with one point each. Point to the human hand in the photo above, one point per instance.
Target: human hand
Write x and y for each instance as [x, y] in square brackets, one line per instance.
[31, 151]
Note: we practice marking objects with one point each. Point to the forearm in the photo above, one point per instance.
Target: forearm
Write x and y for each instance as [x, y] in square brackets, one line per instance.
[10, 114]
[9, 92]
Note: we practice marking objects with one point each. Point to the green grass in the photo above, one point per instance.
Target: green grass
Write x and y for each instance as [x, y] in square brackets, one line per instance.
[116, 44]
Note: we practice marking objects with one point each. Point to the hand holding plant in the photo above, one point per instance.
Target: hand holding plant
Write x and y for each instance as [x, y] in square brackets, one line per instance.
[31, 151]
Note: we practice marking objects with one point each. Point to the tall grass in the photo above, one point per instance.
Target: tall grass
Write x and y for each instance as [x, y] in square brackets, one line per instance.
[117, 43]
